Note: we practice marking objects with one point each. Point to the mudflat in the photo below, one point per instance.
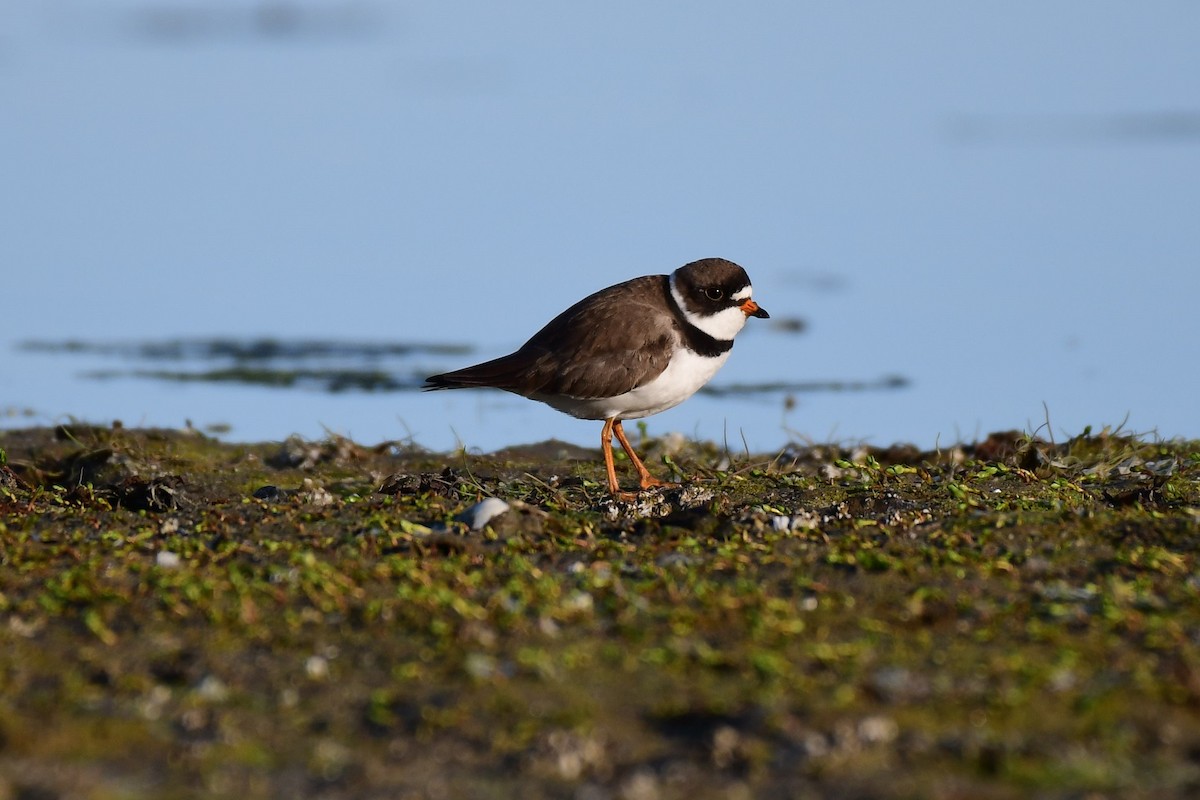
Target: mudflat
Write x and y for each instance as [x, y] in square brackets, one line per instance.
[182, 617]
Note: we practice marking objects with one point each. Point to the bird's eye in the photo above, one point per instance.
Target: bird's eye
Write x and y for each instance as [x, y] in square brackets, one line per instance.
[714, 294]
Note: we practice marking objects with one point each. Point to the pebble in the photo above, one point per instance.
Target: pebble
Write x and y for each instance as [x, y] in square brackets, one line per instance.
[316, 494]
[579, 602]
[316, 667]
[641, 785]
[801, 520]
[271, 494]
[167, 559]
[212, 689]
[878, 730]
[656, 502]
[483, 512]
[677, 559]
[479, 666]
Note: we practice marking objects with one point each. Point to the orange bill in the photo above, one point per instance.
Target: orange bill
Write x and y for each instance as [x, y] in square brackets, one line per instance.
[752, 309]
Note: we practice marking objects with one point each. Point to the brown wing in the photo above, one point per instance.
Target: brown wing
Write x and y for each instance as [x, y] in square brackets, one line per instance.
[605, 345]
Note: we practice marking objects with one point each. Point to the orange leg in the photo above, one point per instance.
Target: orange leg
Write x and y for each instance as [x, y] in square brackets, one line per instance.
[647, 479]
[606, 449]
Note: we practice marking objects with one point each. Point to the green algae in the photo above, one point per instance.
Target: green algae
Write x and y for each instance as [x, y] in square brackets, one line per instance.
[1009, 619]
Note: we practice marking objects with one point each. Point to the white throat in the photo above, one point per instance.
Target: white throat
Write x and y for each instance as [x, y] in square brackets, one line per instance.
[723, 325]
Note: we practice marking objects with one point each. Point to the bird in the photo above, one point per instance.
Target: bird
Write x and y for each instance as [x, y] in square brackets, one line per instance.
[634, 349]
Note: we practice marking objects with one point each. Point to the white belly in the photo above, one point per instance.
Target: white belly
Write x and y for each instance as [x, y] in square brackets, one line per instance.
[686, 373]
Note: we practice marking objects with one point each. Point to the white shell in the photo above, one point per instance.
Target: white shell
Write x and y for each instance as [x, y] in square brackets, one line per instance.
[483, 512]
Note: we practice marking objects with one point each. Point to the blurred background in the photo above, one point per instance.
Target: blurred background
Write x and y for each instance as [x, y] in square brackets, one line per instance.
[266, 218]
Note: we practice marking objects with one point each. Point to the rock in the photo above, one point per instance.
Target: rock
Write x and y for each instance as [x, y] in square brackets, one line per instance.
[269, 493]
[296, 453]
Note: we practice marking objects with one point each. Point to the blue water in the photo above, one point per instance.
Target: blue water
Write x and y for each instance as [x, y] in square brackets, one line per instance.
[998, 203]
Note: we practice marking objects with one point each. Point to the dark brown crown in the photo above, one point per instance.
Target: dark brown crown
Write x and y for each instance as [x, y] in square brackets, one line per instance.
[708, 285]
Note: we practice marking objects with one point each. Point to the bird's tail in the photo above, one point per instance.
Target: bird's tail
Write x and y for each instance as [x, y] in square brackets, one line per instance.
[499, 373]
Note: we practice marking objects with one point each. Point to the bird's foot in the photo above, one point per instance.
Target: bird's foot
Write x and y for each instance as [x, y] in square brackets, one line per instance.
[648, 483]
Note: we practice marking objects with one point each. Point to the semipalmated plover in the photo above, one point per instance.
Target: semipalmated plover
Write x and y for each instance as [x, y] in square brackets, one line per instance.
[625, 352]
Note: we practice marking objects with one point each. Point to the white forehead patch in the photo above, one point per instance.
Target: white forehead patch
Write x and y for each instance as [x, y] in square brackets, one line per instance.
[744, 294]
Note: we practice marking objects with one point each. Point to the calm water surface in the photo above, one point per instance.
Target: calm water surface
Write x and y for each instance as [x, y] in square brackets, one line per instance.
[995, 204]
